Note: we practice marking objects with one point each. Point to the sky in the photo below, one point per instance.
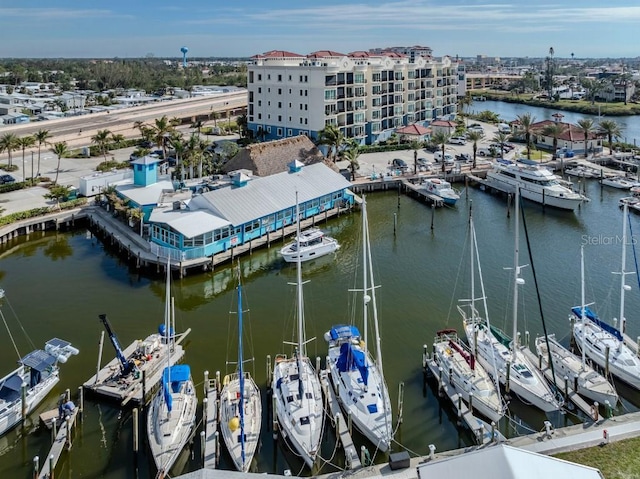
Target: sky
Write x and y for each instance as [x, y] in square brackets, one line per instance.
[242, 28]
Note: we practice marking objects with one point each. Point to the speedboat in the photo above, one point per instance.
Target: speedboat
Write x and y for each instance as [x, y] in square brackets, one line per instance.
[619, 182]
[534, 182]
[310, 244]
[441, 188]
[583, 171]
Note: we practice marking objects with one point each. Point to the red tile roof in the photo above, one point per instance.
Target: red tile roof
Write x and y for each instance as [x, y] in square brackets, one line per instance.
[280, 54]
[571, 132]
[324, 54]
[447, 123]
[359, 54]
[414, 130]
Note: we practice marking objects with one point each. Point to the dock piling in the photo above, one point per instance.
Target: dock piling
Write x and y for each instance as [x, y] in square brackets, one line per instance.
[36, 466]
[52, 464]
[135, 430]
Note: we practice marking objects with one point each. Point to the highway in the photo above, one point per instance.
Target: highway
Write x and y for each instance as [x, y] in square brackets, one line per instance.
[78, 130]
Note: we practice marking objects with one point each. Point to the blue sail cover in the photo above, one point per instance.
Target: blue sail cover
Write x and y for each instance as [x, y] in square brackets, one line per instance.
[172, 379]
[591, 316]
[351, 359]
[344, 331]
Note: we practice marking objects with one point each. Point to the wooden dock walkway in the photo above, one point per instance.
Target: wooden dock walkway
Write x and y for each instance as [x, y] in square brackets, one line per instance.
[61, 441]
[483, 432]
[110, 383]
[211, 437]
[572, 395]
[417, 190]
[342, 428]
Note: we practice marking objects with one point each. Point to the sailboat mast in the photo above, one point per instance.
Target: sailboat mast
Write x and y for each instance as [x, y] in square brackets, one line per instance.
[472, 238]
[583, 312]
[373, 299]
[623, 286]
[240, 369]
[516, 275]
[301, 345]
[365, 287]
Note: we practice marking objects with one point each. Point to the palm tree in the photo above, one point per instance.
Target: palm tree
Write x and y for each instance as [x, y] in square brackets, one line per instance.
[351, 154]
[526, 120]
[501, 138]
[25, 142]
[177, 143]
[117, 139]
[554, 130]
[464, 102]
[242, 124]
[59, 149]
[331, 136]
[474, 137]
[415, 146]
[586, 126]
[101, 140]
[9, 143]
[161, 129]
[197, 125]
[441, 139]
[612, 130]
[42, 137]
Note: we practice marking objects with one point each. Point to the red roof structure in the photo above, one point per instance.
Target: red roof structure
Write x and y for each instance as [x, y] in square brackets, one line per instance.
[416, 130]
[570, 133]
[325, 54]
[444, 123]
[280, 54]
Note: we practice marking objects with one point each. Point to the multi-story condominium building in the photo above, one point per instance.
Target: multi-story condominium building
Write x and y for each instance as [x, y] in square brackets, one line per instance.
[367, 95]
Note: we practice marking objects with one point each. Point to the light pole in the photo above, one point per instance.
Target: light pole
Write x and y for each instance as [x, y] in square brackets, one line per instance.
[32, 166]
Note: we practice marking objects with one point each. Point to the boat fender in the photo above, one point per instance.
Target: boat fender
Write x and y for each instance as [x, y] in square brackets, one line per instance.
[234, 424]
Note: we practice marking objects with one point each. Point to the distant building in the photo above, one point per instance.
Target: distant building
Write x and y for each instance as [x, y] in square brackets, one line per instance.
[571, 138]
[366, 95]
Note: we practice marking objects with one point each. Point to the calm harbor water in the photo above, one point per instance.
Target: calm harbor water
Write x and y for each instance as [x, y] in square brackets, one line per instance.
[57, 284]
[630, 125]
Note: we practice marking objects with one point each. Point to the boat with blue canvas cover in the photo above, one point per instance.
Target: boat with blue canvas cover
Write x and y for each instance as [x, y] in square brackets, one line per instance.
[171, 417]
[355, 375]
[603, 343]
[23, 389]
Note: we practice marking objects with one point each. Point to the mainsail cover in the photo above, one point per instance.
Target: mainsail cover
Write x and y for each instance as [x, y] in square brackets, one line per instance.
[352, 358]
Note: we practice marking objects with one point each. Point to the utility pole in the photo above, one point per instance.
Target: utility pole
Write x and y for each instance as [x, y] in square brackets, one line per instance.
[549, 79]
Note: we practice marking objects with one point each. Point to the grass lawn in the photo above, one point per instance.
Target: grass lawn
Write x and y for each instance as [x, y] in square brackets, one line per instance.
[616, 460]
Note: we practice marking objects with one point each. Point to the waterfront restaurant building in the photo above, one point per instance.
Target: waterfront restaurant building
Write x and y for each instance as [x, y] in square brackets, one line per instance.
[248, 208]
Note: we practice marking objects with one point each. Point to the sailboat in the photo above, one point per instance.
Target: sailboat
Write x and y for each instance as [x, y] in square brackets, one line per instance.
[356, 377]
[602, 343]
[299, 407]
[590, 383]
[240, 405]
[172, 415]
[36, 375]
[500, 355]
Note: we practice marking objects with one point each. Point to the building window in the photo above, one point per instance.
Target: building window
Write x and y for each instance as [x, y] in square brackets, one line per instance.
[301, 106]
[259, 116]
[300, 92]
[289, 88]
[279, 131]
[289, 132]
[289, 119]
[289, 77]
[289, 105]
[259, 89]
[306, 92]
[259, 76]
[301, 82]
[250, 77]
[279, 104]
[306, 121]
[330, 94]
[279, 91]
[259, 103]
[279, 118]
[269, 76]
[268, 129]
[306, 107]
[306, 79]
[301, 120]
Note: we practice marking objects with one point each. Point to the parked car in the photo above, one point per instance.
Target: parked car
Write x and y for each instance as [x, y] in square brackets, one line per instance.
[458, 140]
[424, 162]
[464, 157]
[476, 128]
[448, 158]
[6, 179]
[488, 151]
[399, 164]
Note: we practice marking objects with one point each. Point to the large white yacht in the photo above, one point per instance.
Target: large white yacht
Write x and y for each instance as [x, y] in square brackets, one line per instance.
[536, 183]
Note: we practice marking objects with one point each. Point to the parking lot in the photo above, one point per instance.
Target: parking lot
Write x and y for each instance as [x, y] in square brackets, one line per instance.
[382, 162]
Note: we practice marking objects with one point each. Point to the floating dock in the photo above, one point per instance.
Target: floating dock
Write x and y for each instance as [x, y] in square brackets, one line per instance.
[62, 440]
[570, 393]
[342, 428]
[211, 438]
[483, 432]
[110, 382]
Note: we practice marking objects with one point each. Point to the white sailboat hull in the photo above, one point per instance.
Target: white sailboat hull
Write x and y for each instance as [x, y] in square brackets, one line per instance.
[524, 378]
[368, 405]
[11, 414]
[229, 419]
[458, 373]
[168, 433]
[591, 384]
[300, 417]
[623, 363]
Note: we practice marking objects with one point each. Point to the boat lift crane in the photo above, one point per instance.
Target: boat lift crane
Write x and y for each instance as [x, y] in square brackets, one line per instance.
[126, 365]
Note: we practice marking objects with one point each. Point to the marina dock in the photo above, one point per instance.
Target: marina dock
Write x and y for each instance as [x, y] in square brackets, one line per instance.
[567, 389]
[210, 410]
[109, 381]
[482, 431]
[61, 441]
[342, 428]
